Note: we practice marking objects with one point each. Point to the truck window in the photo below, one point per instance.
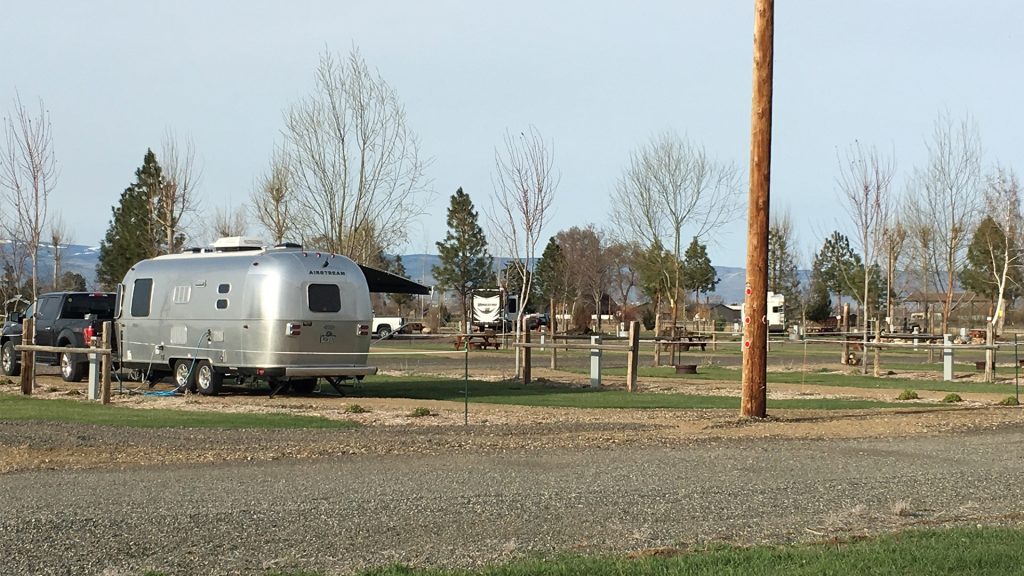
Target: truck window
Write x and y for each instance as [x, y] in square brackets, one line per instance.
[324, 298]
[76, 307]
[141, 294]
[47, 308]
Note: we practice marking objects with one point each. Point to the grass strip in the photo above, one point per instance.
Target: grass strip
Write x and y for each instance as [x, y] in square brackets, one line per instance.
[823, 378]
[422, 388]
[975, 551]
[16, 407]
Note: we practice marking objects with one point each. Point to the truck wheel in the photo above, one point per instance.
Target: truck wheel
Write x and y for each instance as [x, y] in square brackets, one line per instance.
[384, 332]
[304, 385]
[9, 361]
[208, 380]
[70, 370]
[185, 374]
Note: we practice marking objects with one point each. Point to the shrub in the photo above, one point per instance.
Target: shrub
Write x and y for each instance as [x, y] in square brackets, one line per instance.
[952, 397]
[420, 412]
[355, 409]
[908, 394]
[647, 318]
[1009, 401]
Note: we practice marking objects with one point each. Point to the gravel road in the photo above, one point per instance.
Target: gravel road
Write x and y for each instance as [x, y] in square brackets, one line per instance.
[461, 507]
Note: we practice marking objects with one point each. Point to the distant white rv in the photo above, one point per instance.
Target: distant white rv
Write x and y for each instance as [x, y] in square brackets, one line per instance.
[776, 315]
[281, 314]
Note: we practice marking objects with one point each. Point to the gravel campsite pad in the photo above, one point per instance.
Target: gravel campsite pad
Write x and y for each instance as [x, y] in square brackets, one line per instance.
[431, 491]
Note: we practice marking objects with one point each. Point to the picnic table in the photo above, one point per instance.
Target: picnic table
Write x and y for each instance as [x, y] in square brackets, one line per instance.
[687, 340]
[683, 342]
[481, 341]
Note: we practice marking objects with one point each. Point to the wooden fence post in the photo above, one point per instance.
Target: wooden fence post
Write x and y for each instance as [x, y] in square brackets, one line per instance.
[28, 332]
[552, 335]
[845, 327]
[527, 360]
[878, 350]
[105, 364]
[633, 356]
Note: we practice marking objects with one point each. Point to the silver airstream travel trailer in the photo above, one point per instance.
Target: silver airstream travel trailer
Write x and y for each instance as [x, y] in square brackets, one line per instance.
[283, 314]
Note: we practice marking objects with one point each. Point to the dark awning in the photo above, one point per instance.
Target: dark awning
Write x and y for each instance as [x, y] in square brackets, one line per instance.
[381, 281]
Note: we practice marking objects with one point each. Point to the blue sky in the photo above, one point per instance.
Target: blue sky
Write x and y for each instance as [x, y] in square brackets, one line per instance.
[596, 78]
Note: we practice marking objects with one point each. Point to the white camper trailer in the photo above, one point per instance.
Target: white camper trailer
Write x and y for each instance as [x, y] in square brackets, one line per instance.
[776, 313]
[284, 315]
[494, 310]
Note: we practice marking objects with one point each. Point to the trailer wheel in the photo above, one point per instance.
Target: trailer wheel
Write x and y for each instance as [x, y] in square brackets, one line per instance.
[304, 385]
[9, 361]
[185, 374]
[208, 380]
[70, 370]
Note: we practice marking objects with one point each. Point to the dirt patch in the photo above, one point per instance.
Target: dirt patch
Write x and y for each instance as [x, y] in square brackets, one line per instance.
[391, 427]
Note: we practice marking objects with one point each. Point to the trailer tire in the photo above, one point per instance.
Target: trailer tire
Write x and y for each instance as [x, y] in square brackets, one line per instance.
[208, 380]
[185, 374]
[70, 370]
[10, 361]
[384, 332]
[304, 385]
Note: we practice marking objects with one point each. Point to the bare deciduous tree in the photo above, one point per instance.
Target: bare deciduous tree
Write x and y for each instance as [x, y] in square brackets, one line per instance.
[578, 245]
[524, 188]
[355, 161]
[944, 197]
[60, 237]
[230, 222]
[624, 261]
[864, 179]
[894, 238]
[669, 186]
[177, 194]
[27, 176]
[273, 200]
[1002, 202]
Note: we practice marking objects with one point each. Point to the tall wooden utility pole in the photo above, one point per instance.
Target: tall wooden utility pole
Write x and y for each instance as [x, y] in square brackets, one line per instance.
[755, 329]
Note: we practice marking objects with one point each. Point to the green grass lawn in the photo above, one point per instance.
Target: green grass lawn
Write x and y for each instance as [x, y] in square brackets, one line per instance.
[538, 394]
[823, 377]
[954, 551]
[16, 407]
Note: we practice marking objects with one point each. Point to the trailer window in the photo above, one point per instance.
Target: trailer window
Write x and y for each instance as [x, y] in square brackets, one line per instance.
[324, 298]
[141, 294]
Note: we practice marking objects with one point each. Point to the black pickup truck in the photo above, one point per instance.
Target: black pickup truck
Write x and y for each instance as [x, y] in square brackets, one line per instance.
[60, 320]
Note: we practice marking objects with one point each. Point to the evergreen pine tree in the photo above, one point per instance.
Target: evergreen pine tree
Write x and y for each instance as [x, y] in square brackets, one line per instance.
[465, 262]
[395, 266]
[698, 273]
[549, 273]
[837, 265]
[132, 235]
[818, 300]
